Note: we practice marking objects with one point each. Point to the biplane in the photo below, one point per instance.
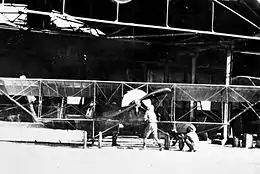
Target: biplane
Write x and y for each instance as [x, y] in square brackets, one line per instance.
[104, 99]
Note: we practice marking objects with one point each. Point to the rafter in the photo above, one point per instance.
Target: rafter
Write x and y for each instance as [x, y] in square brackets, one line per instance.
[236, 13]
[149, 26]
[166, 27]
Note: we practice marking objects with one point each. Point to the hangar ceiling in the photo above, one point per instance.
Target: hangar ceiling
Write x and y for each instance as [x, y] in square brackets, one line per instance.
[231, 17]
[237, 17]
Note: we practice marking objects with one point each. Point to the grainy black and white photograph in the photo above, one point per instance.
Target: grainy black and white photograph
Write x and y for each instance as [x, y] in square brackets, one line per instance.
[129, 86]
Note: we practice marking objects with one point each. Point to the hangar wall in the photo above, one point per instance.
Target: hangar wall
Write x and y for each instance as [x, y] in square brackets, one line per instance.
[72, 57]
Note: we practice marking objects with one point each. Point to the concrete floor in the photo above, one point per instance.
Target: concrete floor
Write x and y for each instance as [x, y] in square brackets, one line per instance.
[210, 159]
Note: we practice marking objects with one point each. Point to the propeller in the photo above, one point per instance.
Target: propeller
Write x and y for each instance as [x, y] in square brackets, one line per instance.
[131, 106]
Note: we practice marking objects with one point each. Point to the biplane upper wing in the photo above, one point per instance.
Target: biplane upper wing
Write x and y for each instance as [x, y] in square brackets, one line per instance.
[16, 86]
[216, 93]
[65, 88]
[48, 88]
[80, 88]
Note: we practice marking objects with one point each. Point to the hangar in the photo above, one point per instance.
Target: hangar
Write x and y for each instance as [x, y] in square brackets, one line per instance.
[171, 41]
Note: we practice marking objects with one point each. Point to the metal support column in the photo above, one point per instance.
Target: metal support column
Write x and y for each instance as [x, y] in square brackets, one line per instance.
[95, 102]
[167, 14]
[226, 105]
[94, 99]
[62, 109]
[117, 11]
[93, 131]
[193, 79]
[40, 100]
[173, 106]
[85, 139]
[212, 16]
[99, 139]
[122, 90]
[63, 6]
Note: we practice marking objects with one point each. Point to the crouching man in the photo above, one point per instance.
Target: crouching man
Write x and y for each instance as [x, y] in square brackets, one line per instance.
[191, 139]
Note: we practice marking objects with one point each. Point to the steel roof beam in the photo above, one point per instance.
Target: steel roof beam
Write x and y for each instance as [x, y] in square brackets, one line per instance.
[146, 25]
[166, 27]
[236, 13]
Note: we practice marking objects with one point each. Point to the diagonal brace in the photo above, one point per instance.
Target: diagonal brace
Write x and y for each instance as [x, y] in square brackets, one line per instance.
[21, 106]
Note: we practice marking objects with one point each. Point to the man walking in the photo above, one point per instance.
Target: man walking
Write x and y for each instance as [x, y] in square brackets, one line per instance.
[151, 127]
